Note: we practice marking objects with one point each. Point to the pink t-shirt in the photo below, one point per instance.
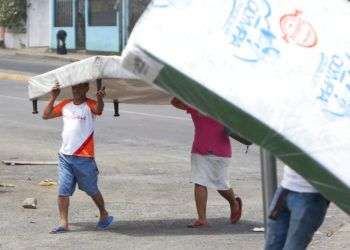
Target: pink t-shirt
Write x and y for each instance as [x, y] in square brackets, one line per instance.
[209, 136]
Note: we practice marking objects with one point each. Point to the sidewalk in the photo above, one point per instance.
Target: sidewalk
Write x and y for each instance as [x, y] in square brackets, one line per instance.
[44, 53]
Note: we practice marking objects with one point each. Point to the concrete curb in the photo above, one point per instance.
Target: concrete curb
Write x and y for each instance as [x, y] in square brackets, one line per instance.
[51, 57]
[43, 55]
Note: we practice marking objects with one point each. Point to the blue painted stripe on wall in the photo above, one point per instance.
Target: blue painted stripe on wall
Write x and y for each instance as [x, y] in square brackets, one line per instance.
[102, 38]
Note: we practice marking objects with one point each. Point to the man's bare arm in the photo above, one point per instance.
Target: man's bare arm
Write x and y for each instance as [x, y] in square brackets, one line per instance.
[100, 103]
[48, 111]
[178, 104]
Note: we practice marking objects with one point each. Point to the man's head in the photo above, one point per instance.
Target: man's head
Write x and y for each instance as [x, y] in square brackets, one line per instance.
[79, 91]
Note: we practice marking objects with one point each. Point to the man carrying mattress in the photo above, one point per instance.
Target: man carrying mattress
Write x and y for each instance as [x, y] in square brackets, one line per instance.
[76, 156]
[210, 159]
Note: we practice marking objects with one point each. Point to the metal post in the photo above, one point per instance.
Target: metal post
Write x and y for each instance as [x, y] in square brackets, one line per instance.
[116, 107]
[2, 36]
[99, 84]
[125, 22]
[123, 8]
[268, 180]
[35, 106]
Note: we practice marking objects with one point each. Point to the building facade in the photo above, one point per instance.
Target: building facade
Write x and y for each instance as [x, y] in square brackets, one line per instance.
[91, 25]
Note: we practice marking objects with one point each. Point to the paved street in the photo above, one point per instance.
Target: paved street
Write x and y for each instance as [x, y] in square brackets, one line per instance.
[143, 158]
[28, 65]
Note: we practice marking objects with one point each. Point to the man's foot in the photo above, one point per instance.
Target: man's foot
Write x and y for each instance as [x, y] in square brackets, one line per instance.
[58, 230]
[105, 223]
[198, 224]
[237, 213]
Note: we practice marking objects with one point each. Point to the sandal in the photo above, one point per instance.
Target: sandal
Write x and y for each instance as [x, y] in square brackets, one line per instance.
[197, 224]
[59, 230]
[237, 215]
[105, 223]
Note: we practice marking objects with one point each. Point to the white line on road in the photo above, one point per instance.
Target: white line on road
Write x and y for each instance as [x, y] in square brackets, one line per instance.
[152, 115]
[123, 111]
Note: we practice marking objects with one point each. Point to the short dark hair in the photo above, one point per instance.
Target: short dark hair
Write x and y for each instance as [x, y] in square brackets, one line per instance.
[83, 84]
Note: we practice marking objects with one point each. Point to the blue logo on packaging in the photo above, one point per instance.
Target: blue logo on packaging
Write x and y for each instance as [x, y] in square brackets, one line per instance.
[248, 30]
[333, 75]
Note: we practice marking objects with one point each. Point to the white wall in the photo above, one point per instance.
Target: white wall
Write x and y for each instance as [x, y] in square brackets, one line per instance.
[15, 41]
[38, 23]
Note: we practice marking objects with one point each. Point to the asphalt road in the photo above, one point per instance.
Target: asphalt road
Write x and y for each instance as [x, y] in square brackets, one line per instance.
[29, 65]
[143, 158]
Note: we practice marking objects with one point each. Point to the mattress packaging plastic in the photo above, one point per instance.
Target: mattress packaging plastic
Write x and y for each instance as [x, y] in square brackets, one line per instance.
[277, 72]
[120, 84]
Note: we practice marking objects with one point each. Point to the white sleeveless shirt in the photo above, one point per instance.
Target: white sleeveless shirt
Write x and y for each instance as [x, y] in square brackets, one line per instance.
[295, 182]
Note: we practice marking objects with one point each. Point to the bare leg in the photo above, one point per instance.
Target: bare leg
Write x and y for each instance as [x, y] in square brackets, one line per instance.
[98, 199]
[230, 197]
[201, 197]
[63, 205]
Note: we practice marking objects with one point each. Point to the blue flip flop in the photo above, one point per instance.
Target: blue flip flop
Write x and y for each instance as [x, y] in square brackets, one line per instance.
[58, 230]
[104, 224]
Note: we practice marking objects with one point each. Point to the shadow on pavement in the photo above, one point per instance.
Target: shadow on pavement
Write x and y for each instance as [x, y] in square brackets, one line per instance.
[175, 227]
